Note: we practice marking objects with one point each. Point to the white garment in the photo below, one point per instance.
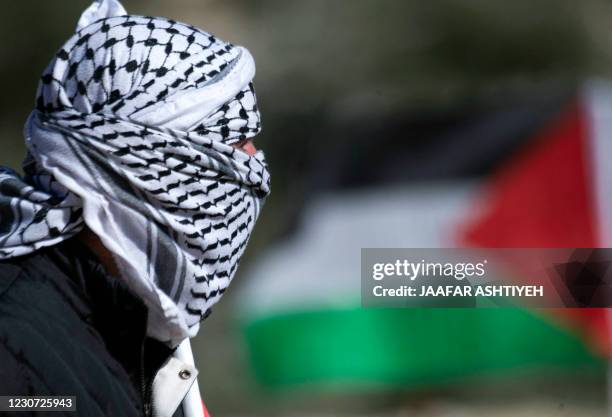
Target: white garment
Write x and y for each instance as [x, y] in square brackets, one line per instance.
[177, 382]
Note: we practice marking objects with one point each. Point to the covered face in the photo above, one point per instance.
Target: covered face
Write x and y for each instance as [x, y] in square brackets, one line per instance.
[132, 135]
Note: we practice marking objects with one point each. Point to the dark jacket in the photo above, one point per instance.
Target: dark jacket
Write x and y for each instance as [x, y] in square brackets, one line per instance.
[67, 328]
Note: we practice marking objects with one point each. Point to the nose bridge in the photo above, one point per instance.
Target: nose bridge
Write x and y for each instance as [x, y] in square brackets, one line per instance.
[249, 147]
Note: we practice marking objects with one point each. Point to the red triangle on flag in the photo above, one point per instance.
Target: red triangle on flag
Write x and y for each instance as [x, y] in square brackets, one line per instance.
[543, 196]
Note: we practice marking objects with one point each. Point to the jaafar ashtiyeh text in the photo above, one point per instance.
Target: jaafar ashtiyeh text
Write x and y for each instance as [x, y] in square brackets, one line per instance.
[461, 291]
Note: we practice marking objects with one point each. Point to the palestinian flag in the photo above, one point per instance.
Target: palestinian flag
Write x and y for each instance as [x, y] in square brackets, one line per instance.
[533, 174]
[558, 193]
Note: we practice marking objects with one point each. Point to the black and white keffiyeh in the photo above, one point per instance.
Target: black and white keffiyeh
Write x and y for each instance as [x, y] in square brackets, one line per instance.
[131, 136]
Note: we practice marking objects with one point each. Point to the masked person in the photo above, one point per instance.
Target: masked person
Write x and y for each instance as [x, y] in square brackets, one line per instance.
[140, 190]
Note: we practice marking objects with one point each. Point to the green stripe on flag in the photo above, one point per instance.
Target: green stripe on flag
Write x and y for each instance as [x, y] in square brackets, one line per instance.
[407, 347]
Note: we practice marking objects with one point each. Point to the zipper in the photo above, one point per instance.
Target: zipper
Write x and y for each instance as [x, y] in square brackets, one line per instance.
[146, 389]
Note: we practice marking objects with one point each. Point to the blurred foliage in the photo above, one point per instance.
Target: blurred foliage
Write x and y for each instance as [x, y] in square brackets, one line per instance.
[349, 53]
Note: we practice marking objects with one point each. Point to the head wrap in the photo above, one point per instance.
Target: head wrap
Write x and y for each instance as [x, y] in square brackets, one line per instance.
[131, 136]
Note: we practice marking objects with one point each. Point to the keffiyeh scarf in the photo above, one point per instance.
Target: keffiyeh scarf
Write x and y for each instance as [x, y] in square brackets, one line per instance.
[131, 136]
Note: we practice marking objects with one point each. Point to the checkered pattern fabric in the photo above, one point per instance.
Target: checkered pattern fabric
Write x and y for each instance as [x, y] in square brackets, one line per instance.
[131, 136]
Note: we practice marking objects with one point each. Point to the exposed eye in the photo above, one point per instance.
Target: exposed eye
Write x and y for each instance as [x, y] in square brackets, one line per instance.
[240, 144]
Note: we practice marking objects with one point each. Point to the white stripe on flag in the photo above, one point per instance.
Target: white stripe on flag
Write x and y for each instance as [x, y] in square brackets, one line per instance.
[319, 267]
[597, 99]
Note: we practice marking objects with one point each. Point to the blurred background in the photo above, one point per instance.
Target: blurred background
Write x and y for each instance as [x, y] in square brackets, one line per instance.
[393, 123]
